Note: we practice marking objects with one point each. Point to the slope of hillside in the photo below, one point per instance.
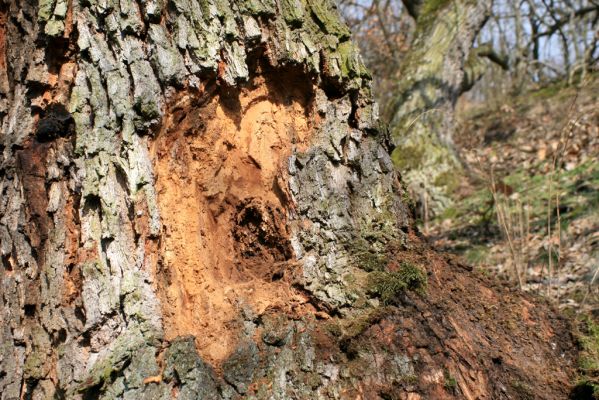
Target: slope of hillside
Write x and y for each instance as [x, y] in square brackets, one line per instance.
[527, 209]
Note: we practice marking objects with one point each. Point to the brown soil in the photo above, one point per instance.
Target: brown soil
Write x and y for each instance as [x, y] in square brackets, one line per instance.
[470, 337]
[220, 162]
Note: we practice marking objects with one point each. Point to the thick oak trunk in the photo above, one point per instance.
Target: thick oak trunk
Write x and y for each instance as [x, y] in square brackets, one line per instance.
[195, 202]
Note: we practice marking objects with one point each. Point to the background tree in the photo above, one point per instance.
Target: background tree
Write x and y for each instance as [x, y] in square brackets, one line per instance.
[545, 40]
[440, 66]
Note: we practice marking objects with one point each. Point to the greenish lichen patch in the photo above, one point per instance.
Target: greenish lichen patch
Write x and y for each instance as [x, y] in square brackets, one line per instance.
[431, 7]
[433, 10]
[258, 7]
[239, 368]
[166, 58]
[293, 11]
[427, 165]
[183, 365]
[45, 9]
[350, 61]
[328, 19]
[37, 364]
[115, 358]
[54, 27]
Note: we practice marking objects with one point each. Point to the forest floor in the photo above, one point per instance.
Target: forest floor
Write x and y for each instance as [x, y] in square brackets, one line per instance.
[527, 208]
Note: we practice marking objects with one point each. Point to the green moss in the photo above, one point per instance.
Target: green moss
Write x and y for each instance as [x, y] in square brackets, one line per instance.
[579, 198]
[116, 359]
[589, 342]
[451, 383]
[349, 278]
[313, 380]
[34, 365]
[407, 199]
[147, 108]
[551, 91]
[367, 257]
[389, 285]
[587, 334]
[333, 328]
[409, 379]
[343, 63]
[352, 62]
[345, 50]
[449, 213]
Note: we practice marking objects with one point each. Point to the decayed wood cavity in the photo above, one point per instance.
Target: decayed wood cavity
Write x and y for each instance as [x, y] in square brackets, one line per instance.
[221, 179]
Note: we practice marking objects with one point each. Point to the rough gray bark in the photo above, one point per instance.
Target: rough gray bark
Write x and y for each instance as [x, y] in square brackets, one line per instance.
[85, 87]
[178, 175]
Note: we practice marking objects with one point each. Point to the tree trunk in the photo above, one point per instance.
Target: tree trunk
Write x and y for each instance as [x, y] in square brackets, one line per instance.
[195, 201]
[438, 69]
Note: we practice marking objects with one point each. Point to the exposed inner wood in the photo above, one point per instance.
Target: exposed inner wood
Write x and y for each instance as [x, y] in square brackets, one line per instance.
[222, 191]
